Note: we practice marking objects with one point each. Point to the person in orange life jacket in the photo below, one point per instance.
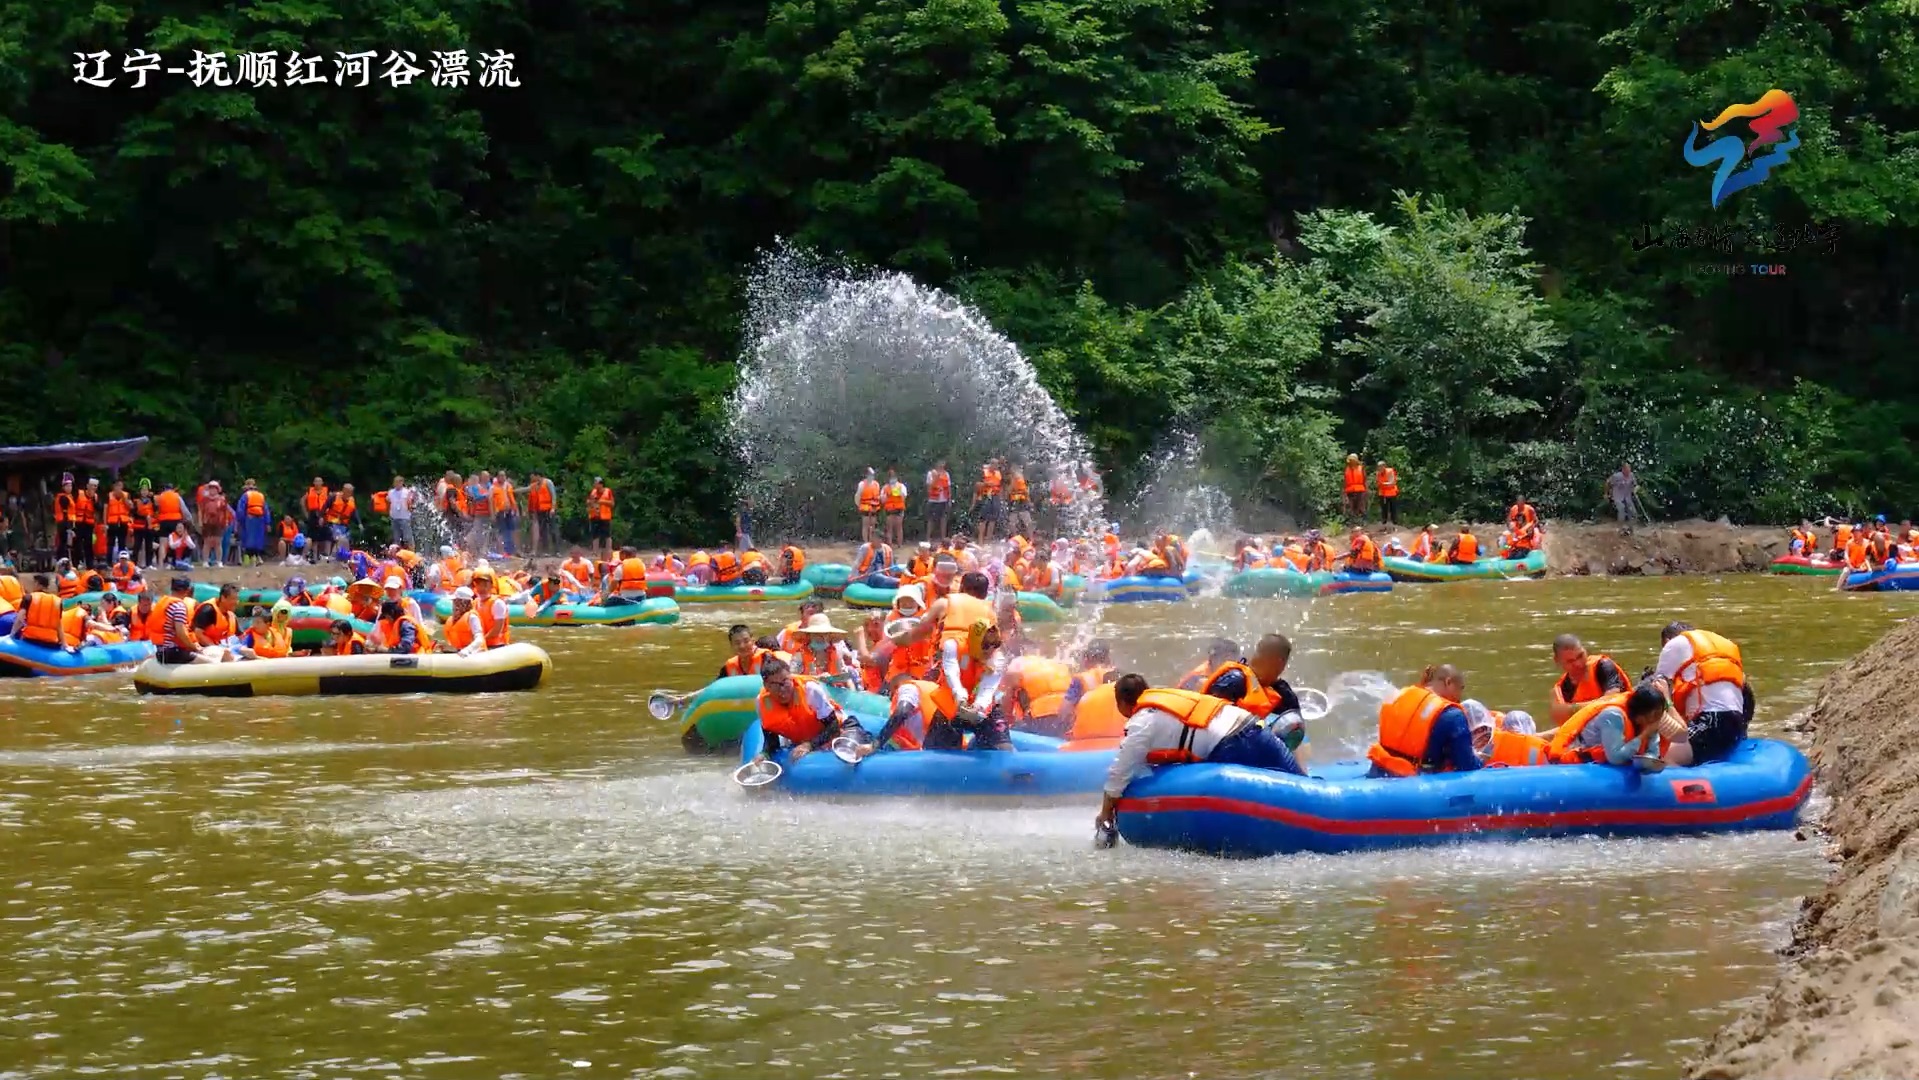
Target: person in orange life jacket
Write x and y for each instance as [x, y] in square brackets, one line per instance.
[952, 620]
[396, 631]
[789, 635]
[910, 659]
[987, 502]
[1520, 543]
[343, 640]
[1583, 677]
[893, 505]
[270, 638]
[823, 652]
[490, 607]
[796, 711]
[1019, 504]
[142, 617]
[1705, 676]
[1353, 488]
[747, 656]
[1386, 488]
[866, 499]
[1273, 700]
[939, 500]
[464, 632]
[505, 503]
[873, 564]
[1220, 651]
[979, 710]
[1804, 542]
[1616, 728]
[1424, 728]
[1172, 727]
[1043, 577]
[629, 575]
[1521, 514]
[1505, 739]
[726, 566]
[873, 649]
[1464, 548]
[39, 617]
[1423, 544]
[753, 567]
[314, 504]
[1362, 557]
[296, 592]
[1095, 669]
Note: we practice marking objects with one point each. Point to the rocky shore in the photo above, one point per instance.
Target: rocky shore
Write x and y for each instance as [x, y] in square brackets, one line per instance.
[1848, 1005]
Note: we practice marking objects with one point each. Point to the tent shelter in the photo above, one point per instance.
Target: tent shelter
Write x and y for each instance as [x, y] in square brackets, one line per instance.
[33, 475]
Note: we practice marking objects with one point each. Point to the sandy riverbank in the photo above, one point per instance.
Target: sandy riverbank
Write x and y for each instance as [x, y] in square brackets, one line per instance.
[1848, 1006]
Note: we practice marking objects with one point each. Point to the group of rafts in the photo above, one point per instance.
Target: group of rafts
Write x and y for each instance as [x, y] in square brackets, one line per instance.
[1863, 557]
[945, 658]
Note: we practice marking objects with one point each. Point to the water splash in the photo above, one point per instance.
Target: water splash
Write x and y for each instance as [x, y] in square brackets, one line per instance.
[847, 370]
[1178, 495]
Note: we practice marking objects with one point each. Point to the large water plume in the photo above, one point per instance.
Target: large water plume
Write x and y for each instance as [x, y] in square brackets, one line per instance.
[845, 370]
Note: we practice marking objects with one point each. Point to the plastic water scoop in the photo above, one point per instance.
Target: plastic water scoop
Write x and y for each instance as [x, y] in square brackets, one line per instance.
[663, 704]
[757, 774]
[1313, 704]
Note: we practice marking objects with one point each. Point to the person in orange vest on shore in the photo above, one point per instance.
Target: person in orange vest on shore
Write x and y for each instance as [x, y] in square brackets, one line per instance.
[867, 500]
[117, 511]
[939, 501]
[893, 505]
[63, 519]
[1386, 488]
[505, 503]
[987, 506]
[1583, 677]
[1059, 496]
[1705, 676]
[38, 620]
[1353, 487]
[599, 518]
[1019, 505]
[1179, 727]
[796, 711]
[1362, 557]
[1615, 729]
[490, 607]
[86, 517]
[342, 514]
[540, 504]
[143, 543]
[1424, 729]
[315, 503]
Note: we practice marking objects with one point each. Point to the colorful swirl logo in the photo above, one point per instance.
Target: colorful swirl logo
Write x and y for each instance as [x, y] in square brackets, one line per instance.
[1768, 118]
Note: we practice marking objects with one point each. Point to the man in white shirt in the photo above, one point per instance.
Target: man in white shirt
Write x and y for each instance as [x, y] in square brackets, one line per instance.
[1706, 679]
[399, 509]
[1211, 731]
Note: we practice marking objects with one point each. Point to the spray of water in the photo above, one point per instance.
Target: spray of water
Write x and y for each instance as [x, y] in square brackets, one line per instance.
[1178, 497]
[846, 370]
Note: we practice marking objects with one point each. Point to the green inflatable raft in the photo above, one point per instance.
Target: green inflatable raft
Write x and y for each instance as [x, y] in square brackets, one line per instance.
[1033, 607]
[653, 611]
[310, 626]
[827, 579]
[201, 591]
[712, 721]
[743, 594]
[1403, 569]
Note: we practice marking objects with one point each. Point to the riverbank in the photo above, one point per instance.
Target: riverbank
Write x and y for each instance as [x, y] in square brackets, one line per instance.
[1849, 1004]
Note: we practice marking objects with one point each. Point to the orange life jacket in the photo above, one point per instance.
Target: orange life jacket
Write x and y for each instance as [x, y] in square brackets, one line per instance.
[169, 507]
[1513, 748]
[43, 619]
[1017, 491]
[1386, 482]
[1588, 688]
[989, 481]
[1191, 708]
[1841, 536]
[1561, 749]
[797, 722]
[502, 497]
[83, 509]
[1364, 554]
[1521, 515]
[726, 568]
[161, 616]
[599, 503]
[1059, 492]
[750, 558]
[62, 508]
[1405, 728]
[459, 630]
[632, 577]
[874, 556]
[962, 611]
[792, 561]
[493, 620]
[868, 497]
[539, 496]
[119, 508]
[936, 704]
[316, 499]
[580, 570]
[1714, 659]
[893, 498]
[345, 648]
[1466, 548]
[1423, 545]
[269, 644]
[381, 504]
[225, 624]
[811, 663]
[10, 590]
[1257, 699]
[1355, 479]
[390, 633]
[939, 486]
[254, 504]
[735, 666]
[1856, 554]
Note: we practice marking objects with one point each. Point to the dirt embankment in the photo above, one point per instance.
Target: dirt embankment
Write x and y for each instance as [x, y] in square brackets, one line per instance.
[1849, 1005]
[1686, 547]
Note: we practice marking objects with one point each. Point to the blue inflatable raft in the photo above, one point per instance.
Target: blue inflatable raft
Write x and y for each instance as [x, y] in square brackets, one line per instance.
[27, 658]
[1231, 810]
[1037, 769]
[1136, 590]
[1890, 579]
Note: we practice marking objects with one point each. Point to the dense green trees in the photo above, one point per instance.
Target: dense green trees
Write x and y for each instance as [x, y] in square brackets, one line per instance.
[1188, 213]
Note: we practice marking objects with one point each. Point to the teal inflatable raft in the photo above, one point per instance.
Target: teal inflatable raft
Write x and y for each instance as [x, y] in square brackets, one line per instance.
[714, 720]
[1266, 582]
[1033, 607]
[827, 579]
[617, 611]
[743, 594]
[1403, 569]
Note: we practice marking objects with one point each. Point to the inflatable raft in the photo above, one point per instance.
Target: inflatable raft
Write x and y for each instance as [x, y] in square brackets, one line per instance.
[1036, 769]
[618, 611]
[311, 625]
[1135, 590]
[1264, 582]
[713, 720]
[1894, 579]
[1404, 569]
[511, 667]
[1033, 607]
[1800, 564]
[742, 594]
[827, 579]
[158, 582]
[1231, 810]
[27, 658]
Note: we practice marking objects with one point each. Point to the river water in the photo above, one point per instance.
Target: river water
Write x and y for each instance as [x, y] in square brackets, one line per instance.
[544, 885]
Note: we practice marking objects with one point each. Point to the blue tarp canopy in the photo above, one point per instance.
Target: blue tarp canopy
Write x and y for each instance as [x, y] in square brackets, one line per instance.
[117, 454]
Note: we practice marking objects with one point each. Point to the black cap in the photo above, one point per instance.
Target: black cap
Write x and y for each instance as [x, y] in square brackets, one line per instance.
[181, 583]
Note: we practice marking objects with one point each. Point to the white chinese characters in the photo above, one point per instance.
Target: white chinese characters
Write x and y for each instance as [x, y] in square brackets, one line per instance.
[449, 68]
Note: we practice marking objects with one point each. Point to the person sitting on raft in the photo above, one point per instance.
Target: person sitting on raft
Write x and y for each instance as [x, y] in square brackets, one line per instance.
[747, 655]
[1706, 678]
[1362, 557]
[1319, 553]
[873, 564]
[796, 710]
[269, 638]
[1505, 739]
[1583, 677]
[1095, 670]
[1423, 545]
[1178, 727]
[1616, 728]
[397, 632]
[490, 608]
[39, 619]
[1424, 729]
[465, 633]
[823, 652]
[911, 659]
[343, 640]
[1258, 686]
[1521, 542]
[1802, 542]
[296, 592]
[789, 635]
[1394, 547]
[1220, 651]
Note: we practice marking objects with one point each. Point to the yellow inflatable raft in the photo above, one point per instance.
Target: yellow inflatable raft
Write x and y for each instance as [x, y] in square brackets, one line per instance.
[511, 667]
